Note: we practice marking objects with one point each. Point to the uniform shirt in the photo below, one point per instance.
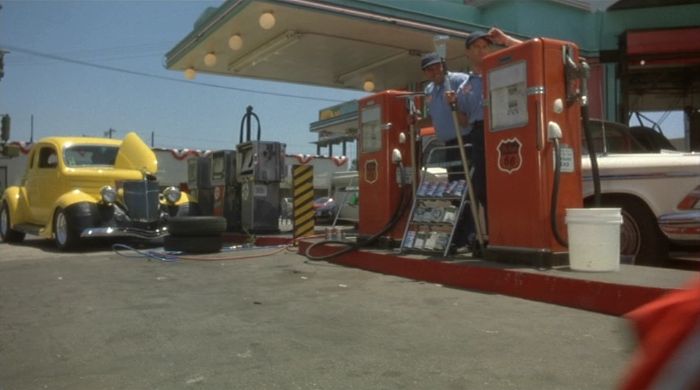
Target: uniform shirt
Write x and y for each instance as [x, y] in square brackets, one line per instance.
[439, 109]
[470, 99]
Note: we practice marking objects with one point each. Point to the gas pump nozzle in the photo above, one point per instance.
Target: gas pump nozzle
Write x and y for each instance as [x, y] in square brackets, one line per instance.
[553, 131]
[396, 157]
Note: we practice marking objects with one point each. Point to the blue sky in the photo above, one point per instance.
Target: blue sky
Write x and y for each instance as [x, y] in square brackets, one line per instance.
[72, 99]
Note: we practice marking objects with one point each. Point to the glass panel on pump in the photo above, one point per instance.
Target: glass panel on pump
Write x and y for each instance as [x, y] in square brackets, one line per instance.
[371, 128]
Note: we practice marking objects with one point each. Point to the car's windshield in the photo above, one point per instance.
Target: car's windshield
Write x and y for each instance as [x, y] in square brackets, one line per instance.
[90, 155]
[617, 139]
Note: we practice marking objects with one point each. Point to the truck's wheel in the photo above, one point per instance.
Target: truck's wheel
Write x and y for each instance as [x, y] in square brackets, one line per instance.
[6, 233]
[196, 226]
[64, 234]
[640, 236]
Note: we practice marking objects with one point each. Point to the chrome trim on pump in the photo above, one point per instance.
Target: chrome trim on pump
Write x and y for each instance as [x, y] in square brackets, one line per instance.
[536, 90]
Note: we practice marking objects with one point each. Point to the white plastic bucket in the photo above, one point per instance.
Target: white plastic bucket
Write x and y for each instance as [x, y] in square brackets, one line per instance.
[594, 239]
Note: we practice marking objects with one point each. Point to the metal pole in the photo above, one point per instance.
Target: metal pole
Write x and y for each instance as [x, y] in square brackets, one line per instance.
[413, 138]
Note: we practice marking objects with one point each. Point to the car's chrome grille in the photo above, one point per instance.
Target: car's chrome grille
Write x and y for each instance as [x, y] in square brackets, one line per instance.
[141, 199]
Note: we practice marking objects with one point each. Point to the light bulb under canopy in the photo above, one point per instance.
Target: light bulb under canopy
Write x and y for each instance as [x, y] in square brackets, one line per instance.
[368, 86]
[267, 20]
[235, 42]
[190, 73]
[210, 59]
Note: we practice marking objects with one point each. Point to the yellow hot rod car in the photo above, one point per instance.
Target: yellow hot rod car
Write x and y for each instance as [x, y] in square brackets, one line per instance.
[78, 187]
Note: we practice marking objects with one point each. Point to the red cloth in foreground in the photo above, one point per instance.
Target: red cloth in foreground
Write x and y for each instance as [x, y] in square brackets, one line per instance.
[668, 354]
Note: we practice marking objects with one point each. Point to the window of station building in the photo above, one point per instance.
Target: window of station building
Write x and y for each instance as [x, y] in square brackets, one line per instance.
[660, 130]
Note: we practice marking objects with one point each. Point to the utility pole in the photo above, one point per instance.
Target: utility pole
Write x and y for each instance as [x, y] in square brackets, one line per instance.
[153, 137]
[109, 132]
[2, 59]
[2, 62]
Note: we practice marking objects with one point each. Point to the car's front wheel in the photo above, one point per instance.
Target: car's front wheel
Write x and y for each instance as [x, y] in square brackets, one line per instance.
[6, 232]
[65, 235]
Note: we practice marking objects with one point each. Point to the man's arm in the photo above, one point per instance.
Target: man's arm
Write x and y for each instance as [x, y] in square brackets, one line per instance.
[499, 37]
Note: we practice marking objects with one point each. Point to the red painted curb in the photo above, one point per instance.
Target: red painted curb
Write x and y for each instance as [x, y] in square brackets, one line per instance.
[600, 297]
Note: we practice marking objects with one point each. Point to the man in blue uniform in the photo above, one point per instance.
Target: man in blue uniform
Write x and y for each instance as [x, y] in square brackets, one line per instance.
[438, 95]
[437, 98]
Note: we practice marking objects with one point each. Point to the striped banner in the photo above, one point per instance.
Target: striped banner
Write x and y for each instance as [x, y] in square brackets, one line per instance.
[303, 187]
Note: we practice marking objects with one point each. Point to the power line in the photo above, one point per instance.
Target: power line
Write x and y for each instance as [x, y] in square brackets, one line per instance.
[154, 76]
[40, 62]
[101, 54]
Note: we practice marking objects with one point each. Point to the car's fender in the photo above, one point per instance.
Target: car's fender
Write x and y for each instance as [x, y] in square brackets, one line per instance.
[72, 197]
[17, 204]
[72, 201]
[184, 198]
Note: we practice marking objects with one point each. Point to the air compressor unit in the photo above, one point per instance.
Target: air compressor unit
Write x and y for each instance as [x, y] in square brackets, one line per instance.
[260, 168]
[199, 183]
[225, 188]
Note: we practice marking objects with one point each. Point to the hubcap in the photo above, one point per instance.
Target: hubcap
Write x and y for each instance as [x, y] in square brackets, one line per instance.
[630, 235]
[61, 228]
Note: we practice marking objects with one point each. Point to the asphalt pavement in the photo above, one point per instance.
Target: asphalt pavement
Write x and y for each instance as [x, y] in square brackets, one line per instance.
[98, 320]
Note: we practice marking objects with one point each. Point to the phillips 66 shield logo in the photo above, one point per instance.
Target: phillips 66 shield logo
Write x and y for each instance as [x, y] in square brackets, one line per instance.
[509, 156]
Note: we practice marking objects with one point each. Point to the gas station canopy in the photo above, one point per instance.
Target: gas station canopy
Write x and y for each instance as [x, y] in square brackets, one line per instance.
[315, 43]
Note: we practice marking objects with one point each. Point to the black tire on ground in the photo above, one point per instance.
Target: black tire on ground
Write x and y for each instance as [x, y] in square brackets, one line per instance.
[640, 235]
[65, 236]
[6, 233]
[198, 244]
[196, 226]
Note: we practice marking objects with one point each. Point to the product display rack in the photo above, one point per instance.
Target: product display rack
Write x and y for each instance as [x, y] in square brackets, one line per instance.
[437, 205]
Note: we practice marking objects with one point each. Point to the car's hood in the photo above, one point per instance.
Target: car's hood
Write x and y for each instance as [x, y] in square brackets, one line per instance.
[135, 154]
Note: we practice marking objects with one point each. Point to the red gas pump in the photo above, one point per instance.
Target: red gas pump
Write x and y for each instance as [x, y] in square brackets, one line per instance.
[384, 151]
[532, 106]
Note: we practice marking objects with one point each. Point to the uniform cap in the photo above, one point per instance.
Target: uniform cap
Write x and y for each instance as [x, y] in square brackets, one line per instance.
[475, 36]
[429, 59]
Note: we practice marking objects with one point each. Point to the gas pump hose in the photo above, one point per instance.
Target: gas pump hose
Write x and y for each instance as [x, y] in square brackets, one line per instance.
[595, 172]
[557, 173]
[555, 195]
[352, 246]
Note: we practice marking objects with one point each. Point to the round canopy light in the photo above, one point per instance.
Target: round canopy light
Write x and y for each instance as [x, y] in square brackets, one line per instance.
[190, 73]
[267, 20]
[235, 42]
[368, 86]
[210, 59]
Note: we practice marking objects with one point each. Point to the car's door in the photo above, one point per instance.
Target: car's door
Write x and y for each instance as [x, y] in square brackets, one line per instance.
[43, 183]
[30, 183]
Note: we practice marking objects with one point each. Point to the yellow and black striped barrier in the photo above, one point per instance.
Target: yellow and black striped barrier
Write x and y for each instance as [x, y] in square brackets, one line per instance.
[303, 187]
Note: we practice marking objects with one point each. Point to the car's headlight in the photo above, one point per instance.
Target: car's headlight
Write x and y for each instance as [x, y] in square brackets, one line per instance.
[172, 194]
[108, 194]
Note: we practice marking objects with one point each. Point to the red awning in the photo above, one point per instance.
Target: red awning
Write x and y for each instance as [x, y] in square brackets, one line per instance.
[671, 47]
